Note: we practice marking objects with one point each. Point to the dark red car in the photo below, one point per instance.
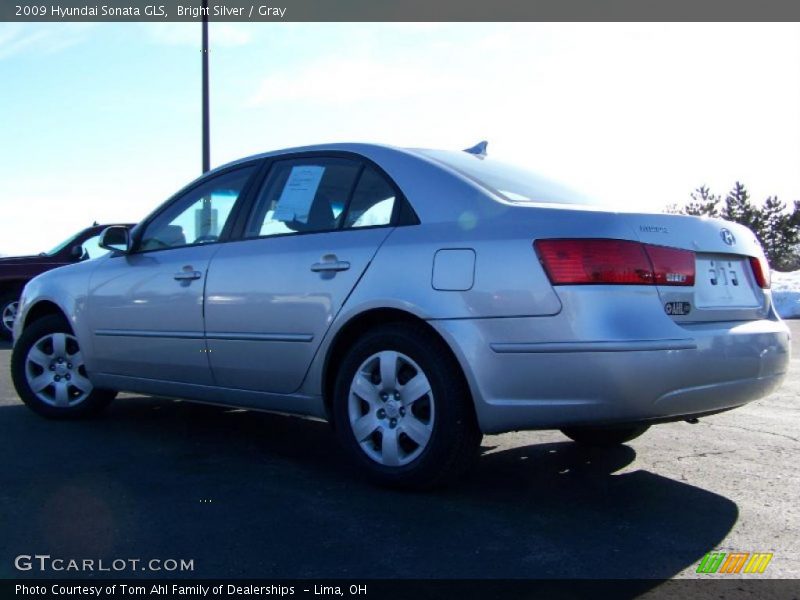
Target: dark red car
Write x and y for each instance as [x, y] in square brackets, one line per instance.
[16, 271]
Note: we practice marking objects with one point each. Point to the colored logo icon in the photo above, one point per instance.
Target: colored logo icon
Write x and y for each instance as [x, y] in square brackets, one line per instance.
[734, 562]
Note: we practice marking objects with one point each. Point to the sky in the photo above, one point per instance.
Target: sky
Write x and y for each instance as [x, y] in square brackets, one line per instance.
[102, 121]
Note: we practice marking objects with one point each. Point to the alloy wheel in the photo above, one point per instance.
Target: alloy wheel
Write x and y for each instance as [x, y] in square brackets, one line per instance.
[10, 315]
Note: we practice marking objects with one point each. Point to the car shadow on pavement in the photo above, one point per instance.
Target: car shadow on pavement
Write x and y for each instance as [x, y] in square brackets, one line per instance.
[248, 494]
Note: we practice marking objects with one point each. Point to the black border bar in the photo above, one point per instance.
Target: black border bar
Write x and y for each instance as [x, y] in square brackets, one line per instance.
[407, 589]
[400, 10]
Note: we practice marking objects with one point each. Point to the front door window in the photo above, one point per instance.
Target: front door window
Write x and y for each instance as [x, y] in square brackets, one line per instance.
[199, 217]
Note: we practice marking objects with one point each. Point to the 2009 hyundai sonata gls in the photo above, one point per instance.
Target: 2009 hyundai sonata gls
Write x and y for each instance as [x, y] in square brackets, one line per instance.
[414, 298]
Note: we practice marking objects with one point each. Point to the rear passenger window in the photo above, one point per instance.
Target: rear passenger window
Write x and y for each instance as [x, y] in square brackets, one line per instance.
[372, 203]
[302, 196]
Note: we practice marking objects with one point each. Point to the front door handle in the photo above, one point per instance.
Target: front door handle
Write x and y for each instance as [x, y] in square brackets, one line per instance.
[187, 274]
[330, 263]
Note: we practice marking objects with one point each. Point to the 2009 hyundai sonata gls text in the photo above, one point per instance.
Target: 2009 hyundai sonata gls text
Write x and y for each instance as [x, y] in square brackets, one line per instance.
[414, 298]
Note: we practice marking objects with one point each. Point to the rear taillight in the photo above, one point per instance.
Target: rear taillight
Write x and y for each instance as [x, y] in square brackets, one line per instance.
[594, 261]
[671, 266]
[760, 273]
[620, 262]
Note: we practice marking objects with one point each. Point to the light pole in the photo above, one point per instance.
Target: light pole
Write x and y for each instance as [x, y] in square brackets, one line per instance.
[206, 137]
[204, 215]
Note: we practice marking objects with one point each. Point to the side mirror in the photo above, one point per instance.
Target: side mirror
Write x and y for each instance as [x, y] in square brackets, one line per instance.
[76, 252]
[115, 238]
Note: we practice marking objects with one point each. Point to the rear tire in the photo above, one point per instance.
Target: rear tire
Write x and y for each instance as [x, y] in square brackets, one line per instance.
[49, 374]
[402, 408]
[9, 302]
[604, 436]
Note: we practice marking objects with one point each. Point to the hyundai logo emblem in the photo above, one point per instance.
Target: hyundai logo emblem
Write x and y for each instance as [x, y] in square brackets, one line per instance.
[727, 237]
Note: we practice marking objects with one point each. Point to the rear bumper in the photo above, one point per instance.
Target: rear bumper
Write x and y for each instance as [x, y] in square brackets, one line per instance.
[520, 381]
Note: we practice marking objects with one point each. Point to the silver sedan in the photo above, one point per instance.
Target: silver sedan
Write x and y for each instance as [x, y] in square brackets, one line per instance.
[413, 298]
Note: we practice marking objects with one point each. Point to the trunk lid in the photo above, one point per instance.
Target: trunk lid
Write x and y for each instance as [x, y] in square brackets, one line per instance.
[725, 287]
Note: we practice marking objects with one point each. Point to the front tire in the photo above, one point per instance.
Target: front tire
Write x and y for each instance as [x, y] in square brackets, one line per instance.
[402, 408]
[604, 437]
[9, 303]
[49, 373]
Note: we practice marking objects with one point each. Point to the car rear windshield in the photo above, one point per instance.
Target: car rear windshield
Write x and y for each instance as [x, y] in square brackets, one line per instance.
[512, 183]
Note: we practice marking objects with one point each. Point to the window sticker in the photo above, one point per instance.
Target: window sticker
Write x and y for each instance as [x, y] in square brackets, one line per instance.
[298, 194]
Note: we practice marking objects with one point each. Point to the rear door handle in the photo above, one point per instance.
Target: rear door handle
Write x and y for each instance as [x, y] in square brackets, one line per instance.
[330, 263]
[188, 274]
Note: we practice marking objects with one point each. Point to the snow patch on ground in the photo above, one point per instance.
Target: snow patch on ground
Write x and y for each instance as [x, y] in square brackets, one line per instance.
[786, 293]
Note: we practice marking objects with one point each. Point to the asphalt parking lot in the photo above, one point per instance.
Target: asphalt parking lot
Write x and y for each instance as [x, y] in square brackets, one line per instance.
[247, 494]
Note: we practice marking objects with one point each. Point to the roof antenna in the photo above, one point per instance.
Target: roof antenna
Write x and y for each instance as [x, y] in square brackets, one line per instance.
[478, 149]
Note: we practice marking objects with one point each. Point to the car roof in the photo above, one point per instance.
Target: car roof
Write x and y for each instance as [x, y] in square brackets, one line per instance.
[365, 149]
